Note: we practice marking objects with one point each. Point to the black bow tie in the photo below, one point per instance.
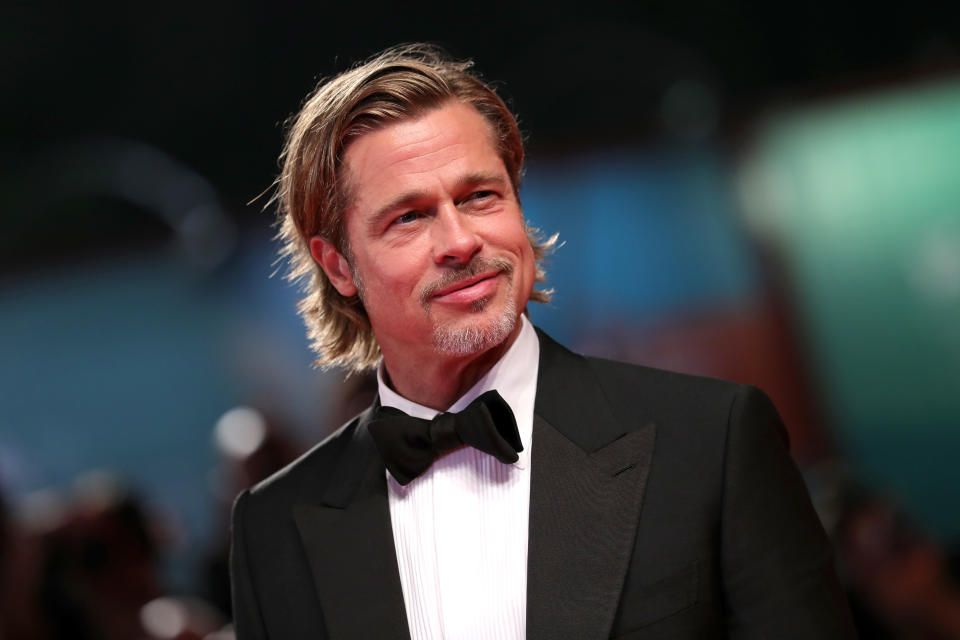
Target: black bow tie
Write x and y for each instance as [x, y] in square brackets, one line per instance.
[410, 445]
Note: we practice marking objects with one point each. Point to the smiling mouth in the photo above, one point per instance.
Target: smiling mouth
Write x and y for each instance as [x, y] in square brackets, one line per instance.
[478, 271]
[466, 283]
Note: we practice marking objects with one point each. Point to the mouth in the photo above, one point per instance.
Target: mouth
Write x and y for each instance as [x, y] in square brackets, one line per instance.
[470, 285]
[467, 285]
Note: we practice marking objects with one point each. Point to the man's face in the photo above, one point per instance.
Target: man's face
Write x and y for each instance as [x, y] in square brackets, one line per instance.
[438, 244]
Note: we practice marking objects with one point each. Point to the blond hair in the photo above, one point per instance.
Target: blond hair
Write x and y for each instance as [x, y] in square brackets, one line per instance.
[312, 193]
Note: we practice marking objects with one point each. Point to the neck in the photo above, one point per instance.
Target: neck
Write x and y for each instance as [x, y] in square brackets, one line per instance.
[437, 381]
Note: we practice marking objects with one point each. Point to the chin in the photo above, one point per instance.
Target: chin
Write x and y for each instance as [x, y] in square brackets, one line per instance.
[476, 335]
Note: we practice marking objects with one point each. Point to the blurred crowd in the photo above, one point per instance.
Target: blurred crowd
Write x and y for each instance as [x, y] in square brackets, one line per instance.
[88, 563]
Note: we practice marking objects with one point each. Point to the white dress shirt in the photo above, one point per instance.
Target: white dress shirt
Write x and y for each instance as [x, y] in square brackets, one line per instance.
[460, 529]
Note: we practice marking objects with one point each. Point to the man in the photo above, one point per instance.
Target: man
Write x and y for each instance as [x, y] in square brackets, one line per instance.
[599, 499]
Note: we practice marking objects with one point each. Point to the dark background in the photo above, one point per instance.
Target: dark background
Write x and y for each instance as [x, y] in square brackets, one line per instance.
[211, 83]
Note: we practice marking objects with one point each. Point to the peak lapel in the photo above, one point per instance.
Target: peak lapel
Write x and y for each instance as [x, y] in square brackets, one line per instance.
[349, 542]
[589, 472]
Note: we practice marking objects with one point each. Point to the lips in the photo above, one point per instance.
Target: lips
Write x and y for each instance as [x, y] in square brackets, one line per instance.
[464, 284]
[477, 280]
[469, 291]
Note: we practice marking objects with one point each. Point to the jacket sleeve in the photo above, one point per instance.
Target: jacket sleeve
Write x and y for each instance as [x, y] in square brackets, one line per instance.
[777, 564]
[247, 621]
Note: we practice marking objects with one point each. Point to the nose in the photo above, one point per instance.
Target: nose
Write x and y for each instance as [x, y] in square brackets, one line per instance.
[454, 239]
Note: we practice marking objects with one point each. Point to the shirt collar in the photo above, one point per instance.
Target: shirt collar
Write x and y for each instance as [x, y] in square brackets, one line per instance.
[514, 377]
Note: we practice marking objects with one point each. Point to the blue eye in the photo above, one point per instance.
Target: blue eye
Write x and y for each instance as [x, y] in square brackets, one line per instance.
[406, 218]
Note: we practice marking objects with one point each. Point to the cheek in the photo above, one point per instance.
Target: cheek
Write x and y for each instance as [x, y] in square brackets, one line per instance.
[529, 268]
[526, 267]
[398, 283]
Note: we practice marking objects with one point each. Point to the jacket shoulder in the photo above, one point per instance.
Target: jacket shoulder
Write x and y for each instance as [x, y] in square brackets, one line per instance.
[659, 389]
[598, 399]
[306, 475]
[699, 410]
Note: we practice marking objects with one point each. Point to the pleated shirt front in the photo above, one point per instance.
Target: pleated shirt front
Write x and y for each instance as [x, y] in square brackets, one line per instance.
[460, 529]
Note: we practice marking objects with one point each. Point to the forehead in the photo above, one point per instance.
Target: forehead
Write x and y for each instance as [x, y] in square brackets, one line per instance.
[420, 152]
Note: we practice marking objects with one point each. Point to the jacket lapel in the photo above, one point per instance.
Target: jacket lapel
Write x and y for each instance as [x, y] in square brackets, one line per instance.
[349, 543]
[589, 471]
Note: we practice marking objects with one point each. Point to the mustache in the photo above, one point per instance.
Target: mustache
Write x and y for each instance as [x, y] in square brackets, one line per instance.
[475, 267]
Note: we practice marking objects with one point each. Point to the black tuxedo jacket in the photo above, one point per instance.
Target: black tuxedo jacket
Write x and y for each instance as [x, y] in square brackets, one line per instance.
[661, 506]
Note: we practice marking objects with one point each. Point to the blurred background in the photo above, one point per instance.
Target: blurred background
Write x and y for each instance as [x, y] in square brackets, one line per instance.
[763, 192]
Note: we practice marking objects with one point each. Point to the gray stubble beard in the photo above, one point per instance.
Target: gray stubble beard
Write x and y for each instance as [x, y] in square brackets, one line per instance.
[465, 341]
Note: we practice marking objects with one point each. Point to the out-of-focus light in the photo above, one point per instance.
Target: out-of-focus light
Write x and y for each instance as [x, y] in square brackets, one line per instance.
[240, 432]
[97, 489]
[936, 267]
[766, 196]
[163, 618]
[42, 510]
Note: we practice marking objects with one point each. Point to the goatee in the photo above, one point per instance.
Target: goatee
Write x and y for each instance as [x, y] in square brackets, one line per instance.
[478, 337]
[482, 333]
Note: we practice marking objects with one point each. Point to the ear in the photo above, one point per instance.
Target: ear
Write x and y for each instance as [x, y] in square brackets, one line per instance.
[334, 265]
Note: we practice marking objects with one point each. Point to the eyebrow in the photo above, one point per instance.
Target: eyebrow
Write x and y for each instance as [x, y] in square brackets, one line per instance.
[408, 198]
